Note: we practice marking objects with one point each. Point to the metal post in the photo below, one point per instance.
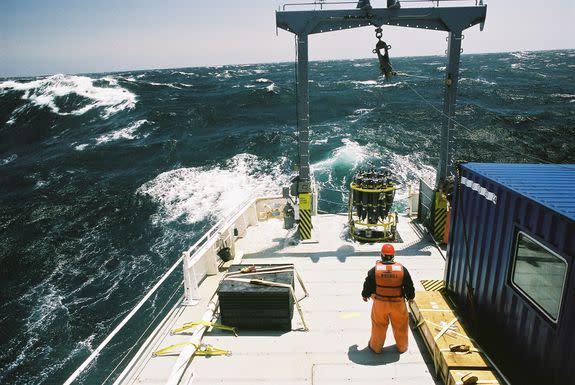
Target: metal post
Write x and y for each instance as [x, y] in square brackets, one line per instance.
[449, 99]
[303, 113]
[304, 184]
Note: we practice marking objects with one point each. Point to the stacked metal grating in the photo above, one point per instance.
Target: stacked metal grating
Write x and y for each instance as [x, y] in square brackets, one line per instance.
[257, 307]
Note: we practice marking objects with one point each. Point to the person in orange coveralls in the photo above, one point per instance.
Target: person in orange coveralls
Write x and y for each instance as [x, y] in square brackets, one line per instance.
[389, 284]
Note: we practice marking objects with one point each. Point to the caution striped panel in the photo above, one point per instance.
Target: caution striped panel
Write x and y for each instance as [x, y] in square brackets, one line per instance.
[433, 284]
[305, 224]
[439, 223]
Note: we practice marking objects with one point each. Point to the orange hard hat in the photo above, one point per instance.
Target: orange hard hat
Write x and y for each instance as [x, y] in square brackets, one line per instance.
[387, 249]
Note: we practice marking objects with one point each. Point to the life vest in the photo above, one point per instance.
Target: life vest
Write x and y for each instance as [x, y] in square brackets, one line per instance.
[388, 281]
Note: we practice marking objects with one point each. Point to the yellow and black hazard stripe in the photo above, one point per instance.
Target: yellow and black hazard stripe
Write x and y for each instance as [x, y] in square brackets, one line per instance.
[305, 216]
[440, 216]
[433, 284]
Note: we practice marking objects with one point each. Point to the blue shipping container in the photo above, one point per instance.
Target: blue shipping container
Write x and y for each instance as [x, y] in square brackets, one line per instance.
[512, 245]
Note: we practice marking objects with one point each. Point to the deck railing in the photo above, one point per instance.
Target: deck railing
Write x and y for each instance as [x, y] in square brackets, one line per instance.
[200, 260]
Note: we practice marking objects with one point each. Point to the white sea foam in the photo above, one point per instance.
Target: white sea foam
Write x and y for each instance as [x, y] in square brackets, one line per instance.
[184, 73]
[272, 88]
[478, 80]
[40, 184]
[81, 147]
[570, 98]
[365, 82]
[347, 157]
[48, 304]
[127, 133]
[408, 169]
[9, 159]
[516, 66]
[169, 85]
[520, 54]
[190, 195]
[563, 96]
[388, 85]
[363, 111]
[263, 80]
[44, 92]
[351, 157]
[362, 65]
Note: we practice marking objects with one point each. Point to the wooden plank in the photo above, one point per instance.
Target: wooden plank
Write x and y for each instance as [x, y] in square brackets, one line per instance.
[484, 377]
[441, 328]
[428, 302]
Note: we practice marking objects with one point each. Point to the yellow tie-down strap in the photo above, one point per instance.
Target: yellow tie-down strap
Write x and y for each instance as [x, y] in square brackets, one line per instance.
[201, 350]
[208, 324]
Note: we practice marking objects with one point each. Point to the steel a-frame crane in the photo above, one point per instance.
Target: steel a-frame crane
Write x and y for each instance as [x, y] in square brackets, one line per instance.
[453, 20]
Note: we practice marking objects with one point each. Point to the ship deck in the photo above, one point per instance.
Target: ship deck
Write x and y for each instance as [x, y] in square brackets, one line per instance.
[334, 350]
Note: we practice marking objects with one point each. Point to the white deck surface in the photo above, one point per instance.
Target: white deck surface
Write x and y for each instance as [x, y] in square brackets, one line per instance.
[334, 350]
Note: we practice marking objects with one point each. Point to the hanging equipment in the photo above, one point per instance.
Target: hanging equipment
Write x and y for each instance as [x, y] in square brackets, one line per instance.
[384, 64]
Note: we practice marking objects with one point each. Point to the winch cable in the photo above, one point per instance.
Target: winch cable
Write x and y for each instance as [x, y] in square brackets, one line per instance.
[469, 130]
[150, 324]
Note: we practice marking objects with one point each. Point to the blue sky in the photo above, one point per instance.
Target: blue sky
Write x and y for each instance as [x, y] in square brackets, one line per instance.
[75, 36]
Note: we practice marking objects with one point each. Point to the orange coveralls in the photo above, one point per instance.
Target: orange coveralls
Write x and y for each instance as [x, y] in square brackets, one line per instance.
[389, 284]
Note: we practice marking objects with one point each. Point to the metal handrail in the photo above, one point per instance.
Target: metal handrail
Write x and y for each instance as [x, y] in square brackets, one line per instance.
[121, 325]
[194, 248]
[215, 229]
[322, 3]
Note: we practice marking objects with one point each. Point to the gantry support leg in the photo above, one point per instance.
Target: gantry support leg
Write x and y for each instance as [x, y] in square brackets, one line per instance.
[304, 184]
[450, 94]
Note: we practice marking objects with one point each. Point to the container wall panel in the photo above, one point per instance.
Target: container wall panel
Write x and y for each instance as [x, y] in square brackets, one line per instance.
[481, 250]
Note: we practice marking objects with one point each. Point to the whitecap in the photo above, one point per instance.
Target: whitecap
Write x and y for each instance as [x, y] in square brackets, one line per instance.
[363, 111]
[477, 80]
[170, 85]
[365, 82]
[272, 88]
[190, 195]
[127, 133]
[44, 92]
[81, 147]
[9, 159]
[184, 73]
[516, 66]
[563, 96]
[263, 80]
[362, 65]
[350, 155]
[40, 184]
[409, 169]
[388, 85]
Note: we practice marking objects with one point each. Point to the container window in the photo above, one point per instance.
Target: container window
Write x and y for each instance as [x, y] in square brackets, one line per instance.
[540, 274]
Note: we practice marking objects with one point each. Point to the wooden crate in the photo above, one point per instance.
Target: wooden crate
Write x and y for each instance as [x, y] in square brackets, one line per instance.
[428, 301]
[433, 314]
[484, 377]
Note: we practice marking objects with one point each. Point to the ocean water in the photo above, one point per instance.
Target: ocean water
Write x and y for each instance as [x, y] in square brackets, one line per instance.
[106, 178]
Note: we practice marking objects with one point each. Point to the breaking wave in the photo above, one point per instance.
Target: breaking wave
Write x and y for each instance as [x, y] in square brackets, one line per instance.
[190, 195]
[73, 95]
